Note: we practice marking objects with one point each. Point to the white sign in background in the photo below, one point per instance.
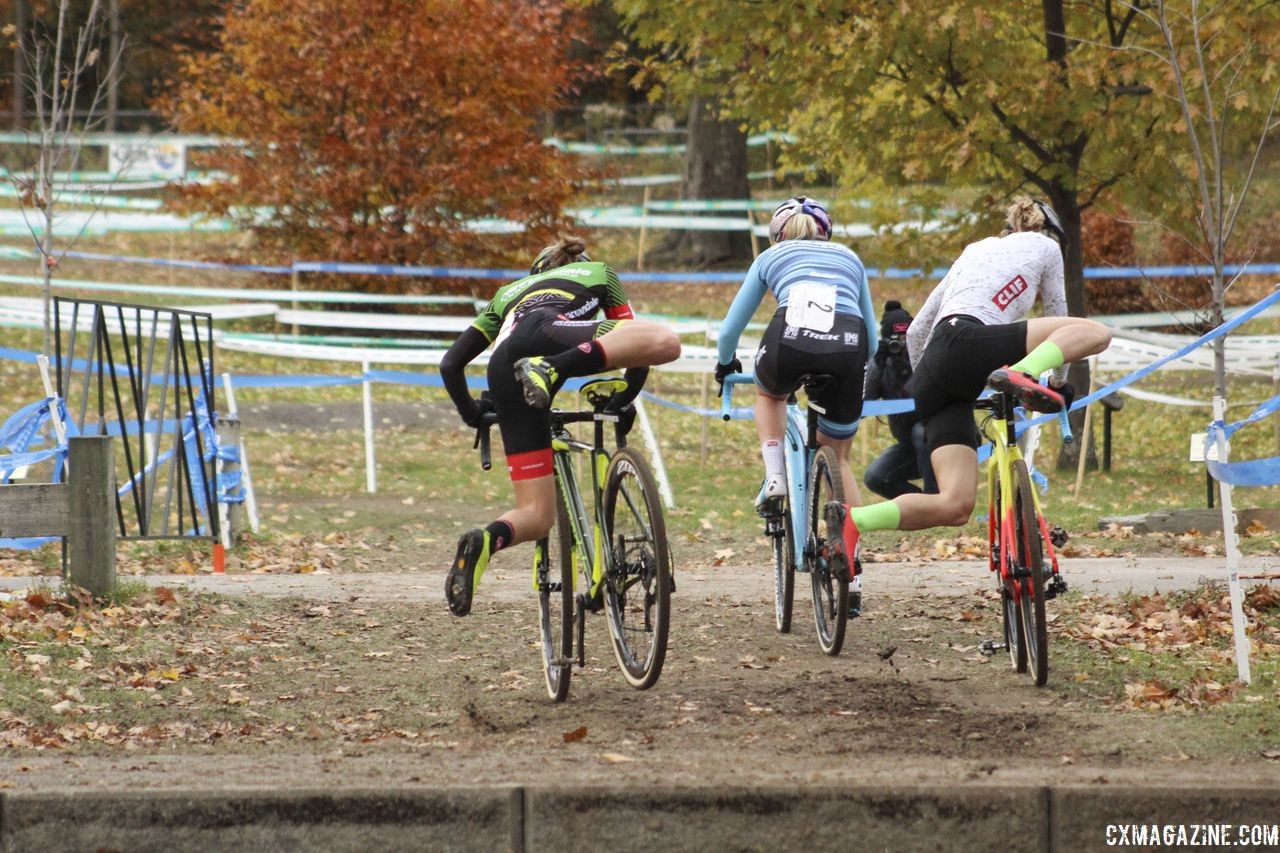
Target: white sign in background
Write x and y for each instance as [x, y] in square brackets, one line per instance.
[147, 159]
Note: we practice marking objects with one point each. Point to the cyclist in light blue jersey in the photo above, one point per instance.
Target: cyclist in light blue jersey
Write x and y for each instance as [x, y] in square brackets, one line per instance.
[820, 327]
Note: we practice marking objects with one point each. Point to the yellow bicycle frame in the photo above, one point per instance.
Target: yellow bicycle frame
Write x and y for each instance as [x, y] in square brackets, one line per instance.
[575, 507]
[1004, 453]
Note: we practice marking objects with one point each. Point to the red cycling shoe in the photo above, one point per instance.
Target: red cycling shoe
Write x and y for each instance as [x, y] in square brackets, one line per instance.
[1030, 393]
[842, 540]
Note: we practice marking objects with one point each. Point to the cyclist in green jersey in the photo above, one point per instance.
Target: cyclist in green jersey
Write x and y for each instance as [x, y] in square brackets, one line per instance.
[546, 328]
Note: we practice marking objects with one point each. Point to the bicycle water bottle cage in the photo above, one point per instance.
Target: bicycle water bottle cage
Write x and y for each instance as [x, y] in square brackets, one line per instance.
[600, 391]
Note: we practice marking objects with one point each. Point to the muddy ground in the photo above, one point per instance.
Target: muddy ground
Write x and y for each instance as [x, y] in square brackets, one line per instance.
[349, 679]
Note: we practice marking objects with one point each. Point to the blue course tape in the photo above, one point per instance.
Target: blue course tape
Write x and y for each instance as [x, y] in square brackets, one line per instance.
[388, 269]
[169, 262]
[1264, 409]
[1257, 472]
[642, 277]
[293, 381]
[27, 544]
[1238, 320]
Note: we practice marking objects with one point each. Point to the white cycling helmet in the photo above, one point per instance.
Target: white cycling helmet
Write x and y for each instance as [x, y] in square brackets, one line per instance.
[790, 208]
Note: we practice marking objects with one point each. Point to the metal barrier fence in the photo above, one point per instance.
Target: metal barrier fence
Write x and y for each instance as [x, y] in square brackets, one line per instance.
[147, 375]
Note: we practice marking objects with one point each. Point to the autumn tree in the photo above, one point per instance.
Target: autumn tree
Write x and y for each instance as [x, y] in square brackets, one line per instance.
[1220, 64]
[925, 100]
[59, 68]
[387, 131]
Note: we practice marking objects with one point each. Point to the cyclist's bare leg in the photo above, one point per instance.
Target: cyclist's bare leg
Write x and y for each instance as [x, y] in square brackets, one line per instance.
[1077, 337]
[639, 343]
[771, 416]
[843, 448]
[771, 419]
[535, 510]
[956, 468]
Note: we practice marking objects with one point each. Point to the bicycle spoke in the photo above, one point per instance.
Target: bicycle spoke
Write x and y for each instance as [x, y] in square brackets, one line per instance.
[638, 583]
[830, 593]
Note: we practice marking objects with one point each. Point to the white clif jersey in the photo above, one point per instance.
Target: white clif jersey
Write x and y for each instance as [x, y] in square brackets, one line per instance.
[995, 281]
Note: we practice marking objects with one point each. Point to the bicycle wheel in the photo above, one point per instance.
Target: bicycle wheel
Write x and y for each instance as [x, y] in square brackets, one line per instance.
[784, 568]
[637, 591]
[1029, 556]
[1011, 618]
[830, 589]
[553, 576]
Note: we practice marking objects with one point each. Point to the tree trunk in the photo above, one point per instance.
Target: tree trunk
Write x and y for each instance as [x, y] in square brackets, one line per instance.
[19, 72]
[113, 73]
[1065, 203]
[715, 168]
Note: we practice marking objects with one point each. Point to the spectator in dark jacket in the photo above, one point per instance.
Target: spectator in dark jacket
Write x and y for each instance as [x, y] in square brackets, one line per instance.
[890, 474]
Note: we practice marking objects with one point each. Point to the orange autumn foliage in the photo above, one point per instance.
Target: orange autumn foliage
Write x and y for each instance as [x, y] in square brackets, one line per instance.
[377, 131]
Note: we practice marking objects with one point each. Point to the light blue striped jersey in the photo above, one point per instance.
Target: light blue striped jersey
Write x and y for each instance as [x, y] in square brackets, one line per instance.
[793, 262]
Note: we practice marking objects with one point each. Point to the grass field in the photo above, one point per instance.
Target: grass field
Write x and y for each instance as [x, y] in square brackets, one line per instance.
[714, 467]
[175, 670]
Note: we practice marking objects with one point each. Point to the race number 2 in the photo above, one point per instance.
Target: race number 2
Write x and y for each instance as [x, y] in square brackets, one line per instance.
[811, 305]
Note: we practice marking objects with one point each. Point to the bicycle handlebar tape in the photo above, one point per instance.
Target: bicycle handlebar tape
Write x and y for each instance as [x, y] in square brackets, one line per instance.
[1064, 421]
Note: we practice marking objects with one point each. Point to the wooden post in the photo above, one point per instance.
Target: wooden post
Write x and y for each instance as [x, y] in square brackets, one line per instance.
[370, 460]
[644, 220]
[704, 426]
[295, 284]
[1084, 442]
[91, 532]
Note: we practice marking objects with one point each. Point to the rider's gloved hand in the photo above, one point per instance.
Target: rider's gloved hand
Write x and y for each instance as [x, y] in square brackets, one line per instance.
[475, 417]
[723, 370]
[1068, 392]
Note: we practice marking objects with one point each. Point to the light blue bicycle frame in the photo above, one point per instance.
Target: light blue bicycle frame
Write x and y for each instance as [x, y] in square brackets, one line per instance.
[798, 458]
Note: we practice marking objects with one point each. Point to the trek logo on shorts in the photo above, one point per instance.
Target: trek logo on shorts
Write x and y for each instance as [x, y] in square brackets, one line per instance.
[1011, 291]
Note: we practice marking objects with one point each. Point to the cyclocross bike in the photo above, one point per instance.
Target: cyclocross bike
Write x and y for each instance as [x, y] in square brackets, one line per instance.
[813, 480]
[616, 558]
[1022, 546]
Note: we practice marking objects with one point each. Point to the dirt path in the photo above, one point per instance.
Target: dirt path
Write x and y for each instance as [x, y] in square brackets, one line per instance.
[743, 581]
[419, 698]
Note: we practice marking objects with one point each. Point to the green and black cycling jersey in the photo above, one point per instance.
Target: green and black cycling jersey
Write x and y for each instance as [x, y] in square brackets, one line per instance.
[574, 291]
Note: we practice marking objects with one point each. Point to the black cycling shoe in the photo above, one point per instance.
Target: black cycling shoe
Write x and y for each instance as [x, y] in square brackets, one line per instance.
[464, 575]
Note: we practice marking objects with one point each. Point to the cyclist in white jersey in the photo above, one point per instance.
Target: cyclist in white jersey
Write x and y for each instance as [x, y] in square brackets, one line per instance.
[819, 328]
[970, 334]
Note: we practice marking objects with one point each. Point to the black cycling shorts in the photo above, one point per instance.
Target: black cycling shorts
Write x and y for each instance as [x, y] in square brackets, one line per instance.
[787, 354]
[951, 374]
[526, 431]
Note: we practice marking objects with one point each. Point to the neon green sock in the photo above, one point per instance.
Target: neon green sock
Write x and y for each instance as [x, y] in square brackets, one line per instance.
[882, 516]
[1047, 356]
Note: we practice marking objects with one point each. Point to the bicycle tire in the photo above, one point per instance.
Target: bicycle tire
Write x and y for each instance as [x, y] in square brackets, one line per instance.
[1010, 615]
[553, 572]
[784, 573]
[830, 592]
[1030, 556]
[637, 592]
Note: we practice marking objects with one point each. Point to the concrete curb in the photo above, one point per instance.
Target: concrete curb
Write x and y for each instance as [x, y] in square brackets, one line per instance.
[956, 817]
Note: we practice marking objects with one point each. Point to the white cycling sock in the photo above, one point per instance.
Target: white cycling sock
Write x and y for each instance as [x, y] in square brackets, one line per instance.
[771, 450]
